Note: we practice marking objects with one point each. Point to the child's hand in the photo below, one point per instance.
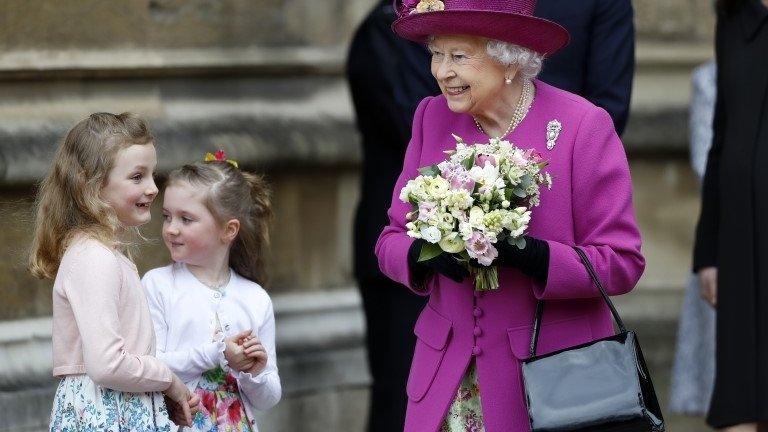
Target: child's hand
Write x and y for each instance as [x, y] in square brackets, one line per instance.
[177, 413]
[235, 353]
[177, 399]
[255, 351]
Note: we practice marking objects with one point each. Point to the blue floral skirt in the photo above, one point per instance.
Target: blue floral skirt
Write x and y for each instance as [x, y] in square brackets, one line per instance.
[82, 405]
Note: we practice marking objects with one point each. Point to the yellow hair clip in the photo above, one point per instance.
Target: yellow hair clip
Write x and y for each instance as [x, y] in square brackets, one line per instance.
[219, 156]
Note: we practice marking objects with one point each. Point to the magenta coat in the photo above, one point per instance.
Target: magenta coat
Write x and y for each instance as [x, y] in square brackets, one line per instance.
[589, 205]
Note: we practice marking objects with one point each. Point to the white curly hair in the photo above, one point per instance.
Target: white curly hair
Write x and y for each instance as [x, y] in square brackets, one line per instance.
[528, 61]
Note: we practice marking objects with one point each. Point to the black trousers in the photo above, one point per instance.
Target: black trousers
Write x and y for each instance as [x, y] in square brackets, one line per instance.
[391, 311]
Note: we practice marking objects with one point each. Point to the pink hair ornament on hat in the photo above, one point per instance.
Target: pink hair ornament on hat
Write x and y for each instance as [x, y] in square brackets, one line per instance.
[505, 20]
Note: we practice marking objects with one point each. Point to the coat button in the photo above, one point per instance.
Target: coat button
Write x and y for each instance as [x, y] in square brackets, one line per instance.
[476, 350]
[477, 331]
[477, 312]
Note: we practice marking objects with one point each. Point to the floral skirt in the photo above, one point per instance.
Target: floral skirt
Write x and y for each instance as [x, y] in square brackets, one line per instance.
[81, 405]
[465, 413]
[221, 409]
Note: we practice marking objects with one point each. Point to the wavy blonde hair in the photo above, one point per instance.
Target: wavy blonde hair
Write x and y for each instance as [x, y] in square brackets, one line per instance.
[234, 194]
[68, 200]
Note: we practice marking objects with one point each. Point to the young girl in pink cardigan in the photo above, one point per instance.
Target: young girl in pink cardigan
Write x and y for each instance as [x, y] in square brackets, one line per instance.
[98, 190]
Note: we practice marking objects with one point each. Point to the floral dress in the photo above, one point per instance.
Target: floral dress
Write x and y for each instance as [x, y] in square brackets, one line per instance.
[221, 409]
[465, 413]
[81, 405]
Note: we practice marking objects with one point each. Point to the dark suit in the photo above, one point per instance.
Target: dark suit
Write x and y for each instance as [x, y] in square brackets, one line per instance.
[599, 61]
[732, 233]
[388, 76]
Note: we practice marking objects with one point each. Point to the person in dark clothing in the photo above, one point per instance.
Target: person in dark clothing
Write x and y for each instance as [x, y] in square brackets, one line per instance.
[731, 250]
[388, 77]
[599, 61]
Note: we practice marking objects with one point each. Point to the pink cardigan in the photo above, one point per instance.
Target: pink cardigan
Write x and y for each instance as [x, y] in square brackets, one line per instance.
[101, 322]
[589, 205]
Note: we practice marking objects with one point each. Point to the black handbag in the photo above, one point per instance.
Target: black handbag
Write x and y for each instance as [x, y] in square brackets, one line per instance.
[602, 385]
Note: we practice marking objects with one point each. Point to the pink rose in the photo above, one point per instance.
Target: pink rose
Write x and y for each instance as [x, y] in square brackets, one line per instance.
[482, 159]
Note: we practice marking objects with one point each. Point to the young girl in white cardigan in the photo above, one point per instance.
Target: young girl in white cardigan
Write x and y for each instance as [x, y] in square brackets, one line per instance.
[214, 322]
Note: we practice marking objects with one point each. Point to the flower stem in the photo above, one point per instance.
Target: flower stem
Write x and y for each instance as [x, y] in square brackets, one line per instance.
[486, 278]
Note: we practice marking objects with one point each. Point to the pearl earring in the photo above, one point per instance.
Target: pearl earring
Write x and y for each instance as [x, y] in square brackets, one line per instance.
[508, 81]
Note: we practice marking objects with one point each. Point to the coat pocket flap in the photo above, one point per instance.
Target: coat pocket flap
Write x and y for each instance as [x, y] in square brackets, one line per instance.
[552, 336]
[432, 328]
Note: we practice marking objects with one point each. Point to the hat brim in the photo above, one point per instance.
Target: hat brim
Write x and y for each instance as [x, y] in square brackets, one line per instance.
[543, 36]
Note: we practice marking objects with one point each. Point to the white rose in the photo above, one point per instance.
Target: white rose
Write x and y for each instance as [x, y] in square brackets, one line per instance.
[465, 230]
[452, 243]
[476, 215]
[431, 234]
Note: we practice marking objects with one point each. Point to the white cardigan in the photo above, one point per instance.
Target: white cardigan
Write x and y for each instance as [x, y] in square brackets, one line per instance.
[184, 313]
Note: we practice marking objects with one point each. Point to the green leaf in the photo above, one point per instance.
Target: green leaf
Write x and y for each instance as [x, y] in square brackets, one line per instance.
[508, 192]
[525, 181]
[469, 162]
[429, 251]
[520, 192]
[520, 242]
[430, 171]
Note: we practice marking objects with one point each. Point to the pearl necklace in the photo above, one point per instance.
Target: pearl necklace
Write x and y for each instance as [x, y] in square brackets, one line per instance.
[520, 110]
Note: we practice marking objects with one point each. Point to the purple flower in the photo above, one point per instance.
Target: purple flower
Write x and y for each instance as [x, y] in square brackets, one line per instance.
[462, 180]
[481, 249]
[482, 159]
[448, 169]
[427, 210]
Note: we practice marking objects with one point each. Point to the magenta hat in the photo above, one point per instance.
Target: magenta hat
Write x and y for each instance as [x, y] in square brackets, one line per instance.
[505, 20]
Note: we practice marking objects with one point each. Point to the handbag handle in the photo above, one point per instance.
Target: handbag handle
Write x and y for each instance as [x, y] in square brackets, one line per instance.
[596, 281]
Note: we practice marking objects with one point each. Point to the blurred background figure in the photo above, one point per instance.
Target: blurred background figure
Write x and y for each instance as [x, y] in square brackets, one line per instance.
[731, 248]
[599, 61]
[388, 76]
[693, 371]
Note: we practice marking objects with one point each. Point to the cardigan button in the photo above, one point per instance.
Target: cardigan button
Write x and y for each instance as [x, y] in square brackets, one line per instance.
[216, 295]
[477, 312]
[477, 331]
[476, 350]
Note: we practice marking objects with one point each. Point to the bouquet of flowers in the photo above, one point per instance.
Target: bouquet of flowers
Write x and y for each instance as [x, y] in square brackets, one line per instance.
[481, 195]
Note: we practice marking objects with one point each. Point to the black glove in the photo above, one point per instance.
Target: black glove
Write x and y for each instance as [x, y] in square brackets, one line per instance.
[445, 264]
[532, 260]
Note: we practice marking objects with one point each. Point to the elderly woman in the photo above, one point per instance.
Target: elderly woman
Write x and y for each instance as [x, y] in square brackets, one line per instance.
[465, 373]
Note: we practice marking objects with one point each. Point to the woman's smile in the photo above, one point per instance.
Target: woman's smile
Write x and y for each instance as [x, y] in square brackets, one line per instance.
[456, 91]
